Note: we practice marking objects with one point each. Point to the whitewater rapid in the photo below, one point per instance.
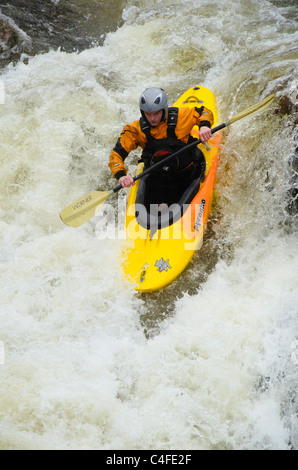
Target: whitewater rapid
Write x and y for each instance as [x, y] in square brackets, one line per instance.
[211, 361]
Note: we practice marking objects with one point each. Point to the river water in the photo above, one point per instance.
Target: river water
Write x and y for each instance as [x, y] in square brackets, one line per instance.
[86, 362]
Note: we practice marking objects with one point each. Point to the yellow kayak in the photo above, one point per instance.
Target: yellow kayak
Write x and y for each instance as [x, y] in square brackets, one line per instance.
[162, 245]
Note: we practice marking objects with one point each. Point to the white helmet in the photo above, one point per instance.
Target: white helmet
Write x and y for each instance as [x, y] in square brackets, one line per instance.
[152, 100]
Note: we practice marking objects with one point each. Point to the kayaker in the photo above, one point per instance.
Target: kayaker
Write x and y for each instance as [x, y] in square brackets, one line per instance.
[160, 130]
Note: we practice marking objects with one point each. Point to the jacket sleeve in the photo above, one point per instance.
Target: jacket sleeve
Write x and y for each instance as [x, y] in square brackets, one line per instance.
[128, 141]
[205, 117]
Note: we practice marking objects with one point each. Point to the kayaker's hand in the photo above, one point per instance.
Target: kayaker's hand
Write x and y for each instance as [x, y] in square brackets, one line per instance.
[205, 134]
[126, 181]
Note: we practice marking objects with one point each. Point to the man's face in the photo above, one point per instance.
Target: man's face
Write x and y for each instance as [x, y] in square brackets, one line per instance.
[154, 118]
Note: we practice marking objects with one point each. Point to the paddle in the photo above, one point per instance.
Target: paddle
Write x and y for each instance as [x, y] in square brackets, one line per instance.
[86, 207]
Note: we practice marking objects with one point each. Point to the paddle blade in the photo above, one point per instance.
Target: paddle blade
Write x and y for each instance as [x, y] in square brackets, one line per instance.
[84, 208]
[253, 109]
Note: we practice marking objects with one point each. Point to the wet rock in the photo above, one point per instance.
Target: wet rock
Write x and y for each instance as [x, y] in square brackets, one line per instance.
[12, 39]
[292, 194]
[68, 25]
[287, 105]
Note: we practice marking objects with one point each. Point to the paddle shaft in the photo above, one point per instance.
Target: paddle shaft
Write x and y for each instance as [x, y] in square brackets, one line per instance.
[164, 160]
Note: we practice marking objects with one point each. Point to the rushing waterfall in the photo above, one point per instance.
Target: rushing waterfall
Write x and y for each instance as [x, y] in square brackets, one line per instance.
[86, 362]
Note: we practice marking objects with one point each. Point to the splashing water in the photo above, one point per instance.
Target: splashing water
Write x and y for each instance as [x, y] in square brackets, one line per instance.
[210, 362]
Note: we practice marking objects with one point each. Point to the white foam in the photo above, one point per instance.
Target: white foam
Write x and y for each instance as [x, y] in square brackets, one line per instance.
[79, 371]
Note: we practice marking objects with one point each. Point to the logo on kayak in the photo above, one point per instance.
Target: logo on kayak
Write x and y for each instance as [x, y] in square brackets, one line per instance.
[162, 265]
[198, 221]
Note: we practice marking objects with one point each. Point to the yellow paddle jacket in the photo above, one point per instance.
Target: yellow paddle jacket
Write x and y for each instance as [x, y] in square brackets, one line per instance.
[132, 136]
